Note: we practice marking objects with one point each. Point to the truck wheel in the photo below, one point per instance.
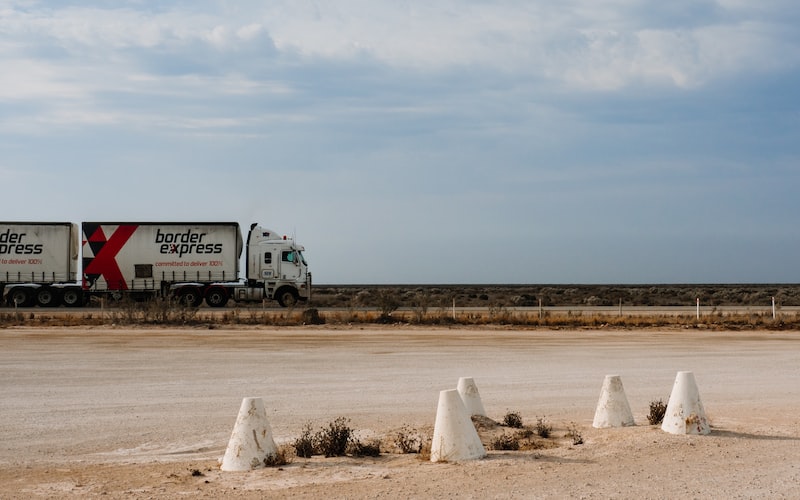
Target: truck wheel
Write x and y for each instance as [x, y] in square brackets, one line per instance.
[287, 297]
[19, 297]
[191, 297]
[47, 297]
[216, 296]
[72, 297]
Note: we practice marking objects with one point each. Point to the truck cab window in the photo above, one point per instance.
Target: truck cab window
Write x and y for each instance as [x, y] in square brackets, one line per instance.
[287, 256]
[268, 258]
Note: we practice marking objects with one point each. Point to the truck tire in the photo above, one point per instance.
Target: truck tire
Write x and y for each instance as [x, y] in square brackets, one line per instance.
[72, 297]
[19, 297]
[287, 297]
[190, 297]
[217, 296]
[47, 297]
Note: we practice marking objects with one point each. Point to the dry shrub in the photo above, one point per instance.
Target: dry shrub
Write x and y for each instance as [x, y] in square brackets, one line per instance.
[304, 444]
[512, 419]
[574, 433]
[282, 457]
[368, 449]
[311, 316]
[543, 428]
[408, 440]
[425, 449]
[657, 411]
[506, 442]
[522, 439]
[333, 440]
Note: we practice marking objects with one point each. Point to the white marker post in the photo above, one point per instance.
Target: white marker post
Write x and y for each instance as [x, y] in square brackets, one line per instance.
[470, 395]
[685, 413]
[613, 409]
[773, 309]
[454, 434]
[251, 440]
[698, 307]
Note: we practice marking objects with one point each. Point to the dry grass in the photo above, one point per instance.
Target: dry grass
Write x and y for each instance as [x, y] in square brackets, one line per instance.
[182, 316]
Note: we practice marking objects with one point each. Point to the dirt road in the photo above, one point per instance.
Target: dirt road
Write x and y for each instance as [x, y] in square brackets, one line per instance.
[146, 413]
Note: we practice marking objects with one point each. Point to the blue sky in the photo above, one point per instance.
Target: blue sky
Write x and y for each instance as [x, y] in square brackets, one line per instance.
[583, 141]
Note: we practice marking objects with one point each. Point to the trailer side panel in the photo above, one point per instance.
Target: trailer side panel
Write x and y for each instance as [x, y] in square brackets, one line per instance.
[147, 255]
[38, 252]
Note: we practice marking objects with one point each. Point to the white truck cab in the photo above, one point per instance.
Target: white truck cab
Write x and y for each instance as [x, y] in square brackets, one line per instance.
[278, 263]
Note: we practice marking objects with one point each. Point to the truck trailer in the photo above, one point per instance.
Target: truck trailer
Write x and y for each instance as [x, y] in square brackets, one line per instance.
[191, 261]
[39, 263]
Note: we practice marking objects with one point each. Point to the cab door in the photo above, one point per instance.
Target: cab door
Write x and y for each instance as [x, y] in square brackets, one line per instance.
[290, 265]
[267, 270]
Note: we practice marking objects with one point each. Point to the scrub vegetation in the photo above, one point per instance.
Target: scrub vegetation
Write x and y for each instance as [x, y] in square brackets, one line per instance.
[543, 427]
[574, 433]
[657, 411]
[513, 419]
[203, 318]
[722, 307]
[517, 437]
[337, 439]
[408, 440]
[424, 297]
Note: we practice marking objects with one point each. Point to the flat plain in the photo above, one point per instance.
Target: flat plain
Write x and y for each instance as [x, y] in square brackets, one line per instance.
[117, 412]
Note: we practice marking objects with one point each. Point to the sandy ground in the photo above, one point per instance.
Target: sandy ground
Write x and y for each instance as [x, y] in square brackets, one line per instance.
[147, 413]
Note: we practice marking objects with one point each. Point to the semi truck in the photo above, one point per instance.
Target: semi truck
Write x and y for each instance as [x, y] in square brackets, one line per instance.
[190, 261]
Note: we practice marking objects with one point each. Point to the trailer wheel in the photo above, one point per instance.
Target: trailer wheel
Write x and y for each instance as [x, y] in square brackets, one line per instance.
[72, 297]
[47, 297]
[216, 296]
[190, 297]
[19, 297]
[287, 297]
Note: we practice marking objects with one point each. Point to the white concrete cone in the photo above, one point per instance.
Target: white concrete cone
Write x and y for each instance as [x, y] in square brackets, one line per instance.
[613, 409]
[470, 396]
[685, 413]
[454, 435]
[251, 440]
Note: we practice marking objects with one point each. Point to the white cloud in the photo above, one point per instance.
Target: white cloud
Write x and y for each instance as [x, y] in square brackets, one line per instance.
[26, 79]
[745, 47]
[611, 60]
[591, 45]
[598, 46]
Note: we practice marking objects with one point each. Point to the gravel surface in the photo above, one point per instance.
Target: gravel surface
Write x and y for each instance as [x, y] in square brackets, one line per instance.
[147, 413]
